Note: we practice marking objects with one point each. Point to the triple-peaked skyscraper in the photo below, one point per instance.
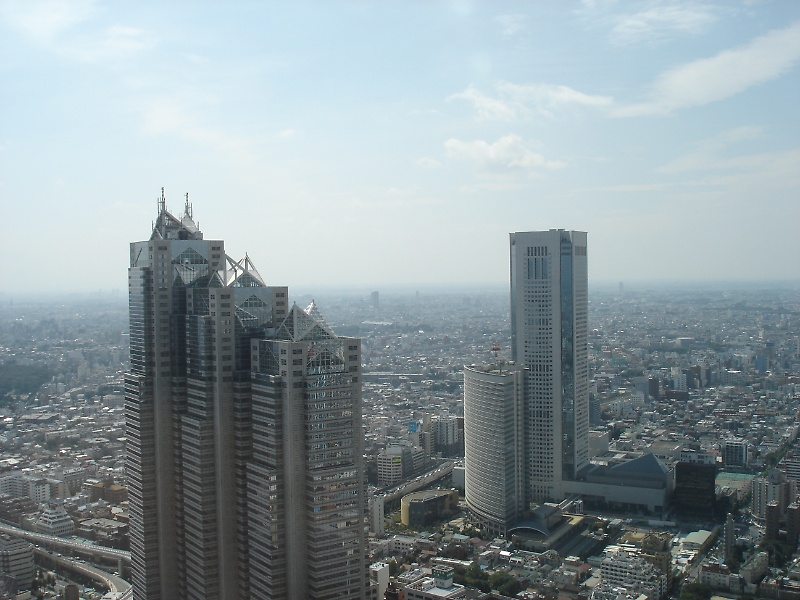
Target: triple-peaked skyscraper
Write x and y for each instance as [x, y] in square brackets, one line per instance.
[539, 409]
[244, 431]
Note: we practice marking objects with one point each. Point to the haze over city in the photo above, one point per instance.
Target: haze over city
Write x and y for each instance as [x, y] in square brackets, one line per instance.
[363, 144]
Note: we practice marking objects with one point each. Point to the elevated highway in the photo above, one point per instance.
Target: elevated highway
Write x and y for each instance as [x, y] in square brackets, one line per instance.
[418, 483]
[66, 545]
[107, 580]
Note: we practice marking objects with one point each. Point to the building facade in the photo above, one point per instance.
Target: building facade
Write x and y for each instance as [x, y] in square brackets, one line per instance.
[773, 487]
[735, 452]
[494, 445]
[55, 521]
[395, 463]
[438, 586]
[549, 335]
[627, 569]
[244, 431]
[447, 435]
[16, 560]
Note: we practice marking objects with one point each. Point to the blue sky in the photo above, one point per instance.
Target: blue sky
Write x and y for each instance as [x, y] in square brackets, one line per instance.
[376, 143]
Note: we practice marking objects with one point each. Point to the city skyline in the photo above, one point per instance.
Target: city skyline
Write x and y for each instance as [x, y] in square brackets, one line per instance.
[388, 132]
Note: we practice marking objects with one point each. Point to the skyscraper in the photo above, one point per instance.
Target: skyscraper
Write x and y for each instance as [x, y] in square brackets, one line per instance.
[494, 449]
[244, 431]
[549, 329]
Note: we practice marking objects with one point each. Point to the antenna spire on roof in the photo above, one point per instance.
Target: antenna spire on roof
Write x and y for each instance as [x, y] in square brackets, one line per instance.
[162, 202]
[188, 208]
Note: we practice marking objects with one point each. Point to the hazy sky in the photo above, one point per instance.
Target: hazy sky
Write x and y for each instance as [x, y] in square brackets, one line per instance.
[375, 143]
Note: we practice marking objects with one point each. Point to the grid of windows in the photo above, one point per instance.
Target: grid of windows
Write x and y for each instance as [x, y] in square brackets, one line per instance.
[549, 302]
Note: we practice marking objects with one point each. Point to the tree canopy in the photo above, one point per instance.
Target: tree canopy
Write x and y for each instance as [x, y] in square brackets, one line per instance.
[22, 379]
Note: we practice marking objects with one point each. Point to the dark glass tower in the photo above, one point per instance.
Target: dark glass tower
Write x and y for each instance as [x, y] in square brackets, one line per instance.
[244, 431]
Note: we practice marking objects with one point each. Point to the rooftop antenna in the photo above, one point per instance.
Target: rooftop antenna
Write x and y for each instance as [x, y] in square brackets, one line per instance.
[188, 208]
[496, 351]
[162, 202]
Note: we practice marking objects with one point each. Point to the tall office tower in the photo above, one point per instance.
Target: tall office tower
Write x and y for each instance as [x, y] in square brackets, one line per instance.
[229, 454]
[549, 328]
[306, 484]
[494, 448]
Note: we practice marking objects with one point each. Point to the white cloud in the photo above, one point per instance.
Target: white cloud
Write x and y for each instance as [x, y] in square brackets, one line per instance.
[427, 162]
[708, 153]
[168, 117]
[509, 152]
[113, 43]
[487, 107]
[548, 97]
[760, 176]
[658, 21]
[511, 25]
[53, 24]
[517, 101]
[728, 73]
[47, 19]
[653, 22]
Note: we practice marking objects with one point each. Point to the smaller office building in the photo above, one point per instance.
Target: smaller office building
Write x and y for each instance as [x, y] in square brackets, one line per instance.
[16, 560]
[423, 508]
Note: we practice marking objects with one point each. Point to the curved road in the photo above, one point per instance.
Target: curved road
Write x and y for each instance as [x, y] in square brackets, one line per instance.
[114, 583]
[418, 483]
[111, 581]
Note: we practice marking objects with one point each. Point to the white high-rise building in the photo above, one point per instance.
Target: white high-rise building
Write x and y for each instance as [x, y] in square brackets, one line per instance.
[494, 449]
[446, 434]
[775, 486]
[549, 329]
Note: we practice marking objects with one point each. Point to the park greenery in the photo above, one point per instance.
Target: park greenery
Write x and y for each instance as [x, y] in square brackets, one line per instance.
[476, 577]
[22, 379]
[695, 591]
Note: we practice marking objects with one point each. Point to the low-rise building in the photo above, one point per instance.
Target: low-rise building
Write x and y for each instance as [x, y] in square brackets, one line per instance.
[55, 521]
[108, 491]
[420, 509]
[626, 568]
[755, 568]
[439, 586]
[719, 577]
